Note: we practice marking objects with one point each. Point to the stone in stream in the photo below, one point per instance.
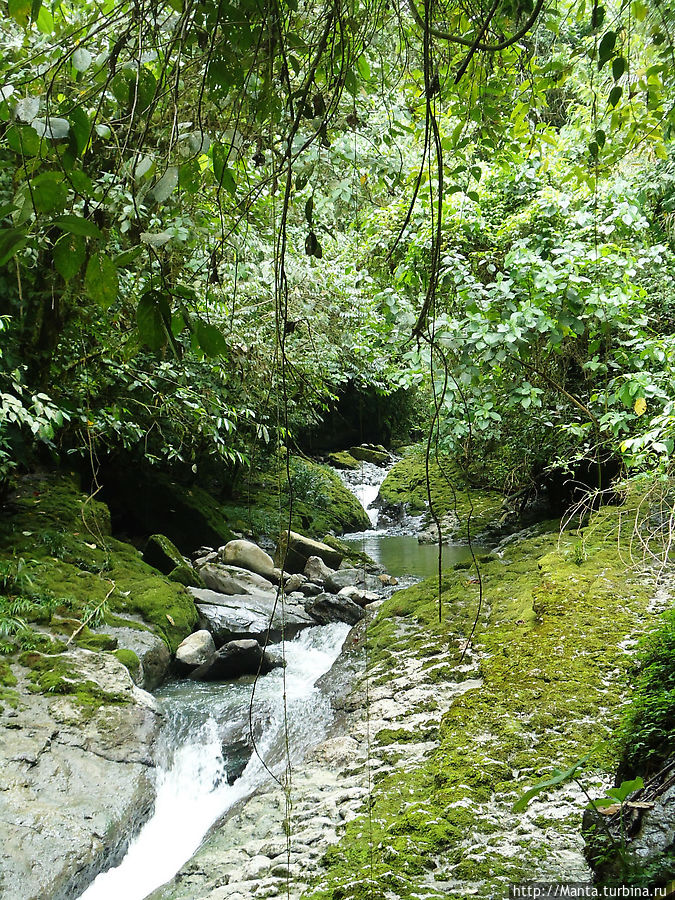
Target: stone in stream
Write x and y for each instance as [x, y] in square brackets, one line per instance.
[294, 582]
[194, 651]
[317, 571]
[249, 556]
[294, 550]
[233, 580]
[347, 577]
[327, 608]
[358, 595]
[370, 453]
[234, 659]
[230, 617]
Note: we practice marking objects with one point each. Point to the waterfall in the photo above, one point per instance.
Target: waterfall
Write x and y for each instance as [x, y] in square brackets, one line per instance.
[193, 788]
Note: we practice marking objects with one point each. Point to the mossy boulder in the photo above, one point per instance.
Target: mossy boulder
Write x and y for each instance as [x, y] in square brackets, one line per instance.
[162, 554]
[186, 576]
[376, 455]
[342, 459]
[357, 558]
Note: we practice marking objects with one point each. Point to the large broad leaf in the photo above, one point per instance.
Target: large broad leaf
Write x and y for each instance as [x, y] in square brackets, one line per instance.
[11, 241]
[23, 139]
[49, 192]
[153, 318]
[558, 777]
[224, 176]
[101, 281]
[19, 10]
[80, 129]
[69, 254]
[210, 339]
[78, 225]
[166, 184]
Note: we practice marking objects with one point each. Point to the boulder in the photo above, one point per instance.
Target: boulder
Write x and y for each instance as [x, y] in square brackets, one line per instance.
[186, 576]
[230, 617]
[294, 550]
[316, 570]
[236, 658]
[248, 555]
[368, 453]
[348, 577]
[152, 652]
[358, 595]
[327, 608]
[342, 459]
[162, 554]
[76, 778]
[194, 651]
[309, 589]
[294, 582]
[233, 580]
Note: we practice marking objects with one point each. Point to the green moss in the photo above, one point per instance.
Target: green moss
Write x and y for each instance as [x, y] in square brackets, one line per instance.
[129, 659]
[58, 675]
[162, 554]
[186, 576]
[97, 642]
[7, 677]
[406, 483]
[343, 460]
[553, 673]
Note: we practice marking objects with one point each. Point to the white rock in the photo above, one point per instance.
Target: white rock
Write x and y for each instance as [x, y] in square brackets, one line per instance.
[196, 649]
[249, 556]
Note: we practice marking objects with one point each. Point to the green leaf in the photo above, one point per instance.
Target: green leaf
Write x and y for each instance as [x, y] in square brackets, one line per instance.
[472, 195]
[556, 778]
[126, 257]
[69, 254]
[45, 21]
[309, 210]
[153, 319]
[618, 67]
[593, 149]
[80, 129]
[363, 67]
[597, 16]
[49, 192]
[101, 281]
[11, 241]
[19, 10]
[211, 339]
[190, 176]
[625, 789]
[600, 137]
[78, 225]
[224, 176]
[615, 95]
[606, 47]
[23, 139]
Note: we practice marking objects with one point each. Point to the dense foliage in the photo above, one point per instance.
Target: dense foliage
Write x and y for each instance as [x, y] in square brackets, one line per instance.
[217, 216]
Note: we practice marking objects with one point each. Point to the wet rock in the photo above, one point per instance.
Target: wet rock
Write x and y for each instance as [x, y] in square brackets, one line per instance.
[194, 651]
[294, 582]
[162, 554]
[309, 589]
[236, 658]
[248, 555]
[229, 617]
[351, 577]
[363, 598]
[233, 580]
[152, 652]
[327, 608]
[371, 453]
[450, 525]
[75, 781]
[294, 550]
[317, 571]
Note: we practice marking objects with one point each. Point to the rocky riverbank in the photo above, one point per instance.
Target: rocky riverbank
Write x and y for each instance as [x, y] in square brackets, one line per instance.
[414, 791]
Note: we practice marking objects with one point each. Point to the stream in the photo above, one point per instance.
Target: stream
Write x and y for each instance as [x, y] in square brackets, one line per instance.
[209, 761]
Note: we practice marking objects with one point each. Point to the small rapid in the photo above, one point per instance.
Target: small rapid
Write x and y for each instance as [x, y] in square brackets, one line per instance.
[211, 763]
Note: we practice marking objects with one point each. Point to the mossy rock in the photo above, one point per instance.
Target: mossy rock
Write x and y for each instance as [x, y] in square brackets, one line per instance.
[187, 576]
[59, 675]
[358, 559]
[342, 459]
[7, 677]
[162, 554]
[129, 659]
[377, 456]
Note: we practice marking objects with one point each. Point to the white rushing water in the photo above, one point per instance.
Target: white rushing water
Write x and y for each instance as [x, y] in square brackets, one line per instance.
[365, 483]
[193, 789]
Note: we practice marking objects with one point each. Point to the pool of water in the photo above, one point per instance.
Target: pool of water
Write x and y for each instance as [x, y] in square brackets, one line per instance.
[402, 554]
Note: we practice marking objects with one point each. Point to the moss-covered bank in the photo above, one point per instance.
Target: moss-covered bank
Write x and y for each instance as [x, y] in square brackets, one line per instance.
[557, 615]
[62, 568]
[406, 483]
